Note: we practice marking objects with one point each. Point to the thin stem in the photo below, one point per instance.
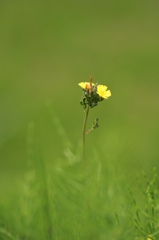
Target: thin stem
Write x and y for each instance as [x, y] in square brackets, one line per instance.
[84, 161]
[88, 131]
[83, 134]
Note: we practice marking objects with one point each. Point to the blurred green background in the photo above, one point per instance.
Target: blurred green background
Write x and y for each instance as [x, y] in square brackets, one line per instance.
[47, 48]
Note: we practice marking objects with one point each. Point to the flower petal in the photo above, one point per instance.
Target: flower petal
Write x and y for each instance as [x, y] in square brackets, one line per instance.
[103, 92]
[85, 85]
[107, 94]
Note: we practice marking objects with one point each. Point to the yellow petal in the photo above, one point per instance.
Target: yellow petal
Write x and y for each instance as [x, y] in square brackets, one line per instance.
[107, 94]
[101, 88]
[102, 91]
[82, 85]
[85, 85]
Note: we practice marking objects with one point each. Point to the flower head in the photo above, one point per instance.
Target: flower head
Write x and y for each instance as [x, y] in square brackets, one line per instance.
[103, 92]
[85, 85]
[93, 93]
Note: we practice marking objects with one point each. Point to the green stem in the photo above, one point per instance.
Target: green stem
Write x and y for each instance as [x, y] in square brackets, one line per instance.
[84, 160]
[83, 134]
[88, 131]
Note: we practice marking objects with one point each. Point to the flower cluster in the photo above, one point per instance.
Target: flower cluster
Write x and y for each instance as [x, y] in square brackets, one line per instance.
[93, 93]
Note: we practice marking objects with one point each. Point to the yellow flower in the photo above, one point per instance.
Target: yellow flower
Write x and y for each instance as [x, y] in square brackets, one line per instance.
[103, 92]
[85, 85]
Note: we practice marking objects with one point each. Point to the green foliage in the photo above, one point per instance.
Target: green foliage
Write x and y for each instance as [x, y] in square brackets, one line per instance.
[145, 217]
[53, 201]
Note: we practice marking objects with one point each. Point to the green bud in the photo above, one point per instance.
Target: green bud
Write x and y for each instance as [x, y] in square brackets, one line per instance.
[95, 124]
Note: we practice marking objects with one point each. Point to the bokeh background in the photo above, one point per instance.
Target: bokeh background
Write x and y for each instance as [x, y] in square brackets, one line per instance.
[46, 49]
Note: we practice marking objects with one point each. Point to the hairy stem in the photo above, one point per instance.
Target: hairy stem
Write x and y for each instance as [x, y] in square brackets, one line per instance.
[84, 160]
[83, 134]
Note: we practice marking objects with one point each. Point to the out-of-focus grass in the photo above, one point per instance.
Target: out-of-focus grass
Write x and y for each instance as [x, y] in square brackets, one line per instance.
[53, 202]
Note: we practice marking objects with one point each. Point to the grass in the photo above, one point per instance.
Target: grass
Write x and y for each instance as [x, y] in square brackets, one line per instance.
[51, 201]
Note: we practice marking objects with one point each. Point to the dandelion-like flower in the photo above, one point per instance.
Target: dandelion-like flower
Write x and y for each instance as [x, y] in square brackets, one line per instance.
[92, 95]
[103, 92]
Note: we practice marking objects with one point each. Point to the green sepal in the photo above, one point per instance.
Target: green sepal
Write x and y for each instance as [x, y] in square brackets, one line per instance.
[95, 124]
